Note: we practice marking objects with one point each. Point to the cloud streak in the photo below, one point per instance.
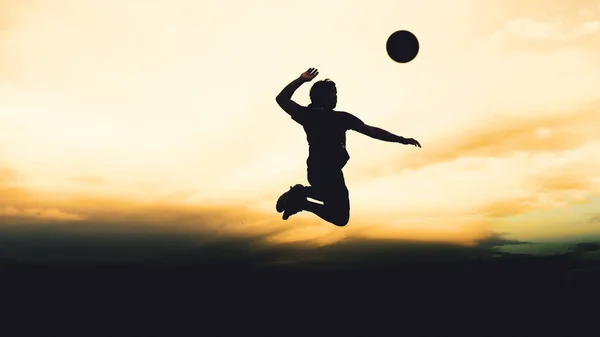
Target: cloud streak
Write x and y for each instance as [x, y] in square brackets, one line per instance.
[52, 243]
[37, 213]
[503, 137]
[114, 232]
[531, 29]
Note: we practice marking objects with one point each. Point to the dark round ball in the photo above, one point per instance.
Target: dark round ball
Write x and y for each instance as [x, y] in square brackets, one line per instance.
[402, 46]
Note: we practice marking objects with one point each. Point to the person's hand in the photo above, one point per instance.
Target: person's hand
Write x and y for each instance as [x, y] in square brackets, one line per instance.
[308, 75]
[410, 141]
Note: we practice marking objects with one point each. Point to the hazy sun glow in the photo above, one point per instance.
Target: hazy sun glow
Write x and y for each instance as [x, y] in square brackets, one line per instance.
[172, 103]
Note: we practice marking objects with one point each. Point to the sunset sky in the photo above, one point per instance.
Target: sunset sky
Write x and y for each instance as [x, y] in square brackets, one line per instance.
[160, 116]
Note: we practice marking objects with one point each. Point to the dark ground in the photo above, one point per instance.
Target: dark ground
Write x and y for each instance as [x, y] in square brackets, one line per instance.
[242, 286]
[413, 299]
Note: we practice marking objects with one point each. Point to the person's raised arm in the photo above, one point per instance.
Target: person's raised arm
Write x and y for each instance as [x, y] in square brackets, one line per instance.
[381, 134]
[284, 99]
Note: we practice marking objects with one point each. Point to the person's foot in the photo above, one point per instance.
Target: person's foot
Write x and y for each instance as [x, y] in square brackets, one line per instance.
[295, 204]
[284, 199]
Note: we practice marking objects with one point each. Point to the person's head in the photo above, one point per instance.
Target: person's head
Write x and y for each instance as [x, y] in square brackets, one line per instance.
[324, 94]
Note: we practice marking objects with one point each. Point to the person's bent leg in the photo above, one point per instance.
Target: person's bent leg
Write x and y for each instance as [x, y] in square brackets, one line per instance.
[333, 214]
[313, 193]
[328, 186]
[335, 208]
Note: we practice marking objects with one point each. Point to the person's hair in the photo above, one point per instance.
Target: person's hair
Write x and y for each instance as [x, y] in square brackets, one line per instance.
[320, 92]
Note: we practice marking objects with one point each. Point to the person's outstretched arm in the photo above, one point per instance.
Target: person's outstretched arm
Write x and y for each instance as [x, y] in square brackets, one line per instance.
[381, 134]
[284, 99]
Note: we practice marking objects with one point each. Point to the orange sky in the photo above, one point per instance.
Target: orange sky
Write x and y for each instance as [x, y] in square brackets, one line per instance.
[140, 105]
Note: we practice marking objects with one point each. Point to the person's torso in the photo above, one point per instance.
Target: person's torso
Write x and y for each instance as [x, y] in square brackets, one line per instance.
[326, 136]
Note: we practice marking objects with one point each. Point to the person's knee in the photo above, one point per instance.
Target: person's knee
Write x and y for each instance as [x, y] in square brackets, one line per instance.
[341, 219]
[341, 222]
[338, 209]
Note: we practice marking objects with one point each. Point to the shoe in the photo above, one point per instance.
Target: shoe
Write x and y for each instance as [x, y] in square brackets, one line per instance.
[284, 199]
[294, 204]
[290, 211]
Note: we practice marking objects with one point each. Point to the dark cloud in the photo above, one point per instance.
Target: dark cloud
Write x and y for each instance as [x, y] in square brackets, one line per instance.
[497, 240]
[113, 233]
[204, 244]
[53, 229]
[42, 245]
[589, 254]
[125, 240]
[584, 247]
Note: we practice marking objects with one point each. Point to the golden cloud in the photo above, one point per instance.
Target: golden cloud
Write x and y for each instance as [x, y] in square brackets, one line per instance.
[88, 180]
[508, 136]
[10, 14]
[39, 213]
[549, 189]
[7, 175]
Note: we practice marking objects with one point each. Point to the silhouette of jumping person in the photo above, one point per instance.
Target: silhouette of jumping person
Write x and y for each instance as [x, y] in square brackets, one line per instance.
[326, 135]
